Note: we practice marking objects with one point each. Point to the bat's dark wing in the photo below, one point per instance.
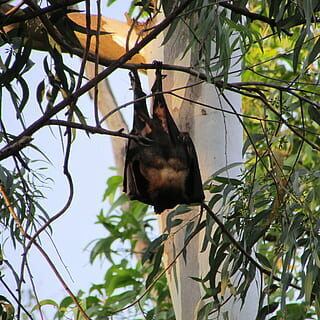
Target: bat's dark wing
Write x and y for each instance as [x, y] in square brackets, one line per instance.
[194, 189]
[160, 111]
[141, 118]
[134, 184]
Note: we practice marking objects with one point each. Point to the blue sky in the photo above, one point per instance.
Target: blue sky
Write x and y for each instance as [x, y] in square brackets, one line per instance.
[90, 161]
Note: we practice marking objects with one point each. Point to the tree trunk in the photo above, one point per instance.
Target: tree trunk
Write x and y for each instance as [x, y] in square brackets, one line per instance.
[218, 140]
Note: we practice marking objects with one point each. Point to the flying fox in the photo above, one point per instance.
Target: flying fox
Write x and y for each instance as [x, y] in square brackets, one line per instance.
[162, 168]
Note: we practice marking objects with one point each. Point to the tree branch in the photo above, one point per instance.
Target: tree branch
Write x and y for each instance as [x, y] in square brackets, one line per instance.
[298, 18]
[94, 130]
[89, 85]
[26, 14]
[15, 147]
[245, 12]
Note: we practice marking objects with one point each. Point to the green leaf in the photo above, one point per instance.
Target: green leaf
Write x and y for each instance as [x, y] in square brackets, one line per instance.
[308, 283]
[314, 114]
[317, 306]
[113, 185]
[151, 315]
[119, 277]
[252, 140]
[270, 308]
[313, 53]
[187, 235]
[156, 266]
[119, 301]
[20, 62]
[152, 247]
[66, 302]
[203, 313]
[40, 94]
[119, 202]
[79, 114]
[110, 2]
[263, 260]
[170, 221]
[25, 93]
[222, 170]
[308, 11]
[216, 188]
[102, 247]
[296, 311]
[7, 311]
[214, 200]
[298, 47]
[226, 180]
[170, 32]
[189, 230]
[45, 303]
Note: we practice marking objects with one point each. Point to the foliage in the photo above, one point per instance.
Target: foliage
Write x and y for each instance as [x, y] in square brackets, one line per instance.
[270, 212]
[129, 228]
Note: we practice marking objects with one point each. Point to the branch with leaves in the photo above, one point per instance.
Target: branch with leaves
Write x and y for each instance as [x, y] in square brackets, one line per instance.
[41, 250]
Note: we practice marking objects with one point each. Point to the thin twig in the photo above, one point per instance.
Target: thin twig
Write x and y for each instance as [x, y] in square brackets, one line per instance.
[133, 24]
[15, 298]
[260, 96]
[92, 129]
[14, 9]
[61, 212]
[13, 214]
[238, 246]
[96, 66]
[35, 291]
[36, 13]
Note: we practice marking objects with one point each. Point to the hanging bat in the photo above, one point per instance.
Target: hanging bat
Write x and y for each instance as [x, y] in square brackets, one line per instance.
[163, 169]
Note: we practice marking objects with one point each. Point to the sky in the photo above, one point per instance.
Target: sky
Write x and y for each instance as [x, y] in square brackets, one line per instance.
[91, 159]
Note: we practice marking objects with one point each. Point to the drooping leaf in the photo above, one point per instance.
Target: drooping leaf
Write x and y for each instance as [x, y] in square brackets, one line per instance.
[267, 310]
[156, 265]
[314, 114]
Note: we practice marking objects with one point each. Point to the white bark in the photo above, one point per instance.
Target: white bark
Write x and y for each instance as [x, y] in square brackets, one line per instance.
[218, 140]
